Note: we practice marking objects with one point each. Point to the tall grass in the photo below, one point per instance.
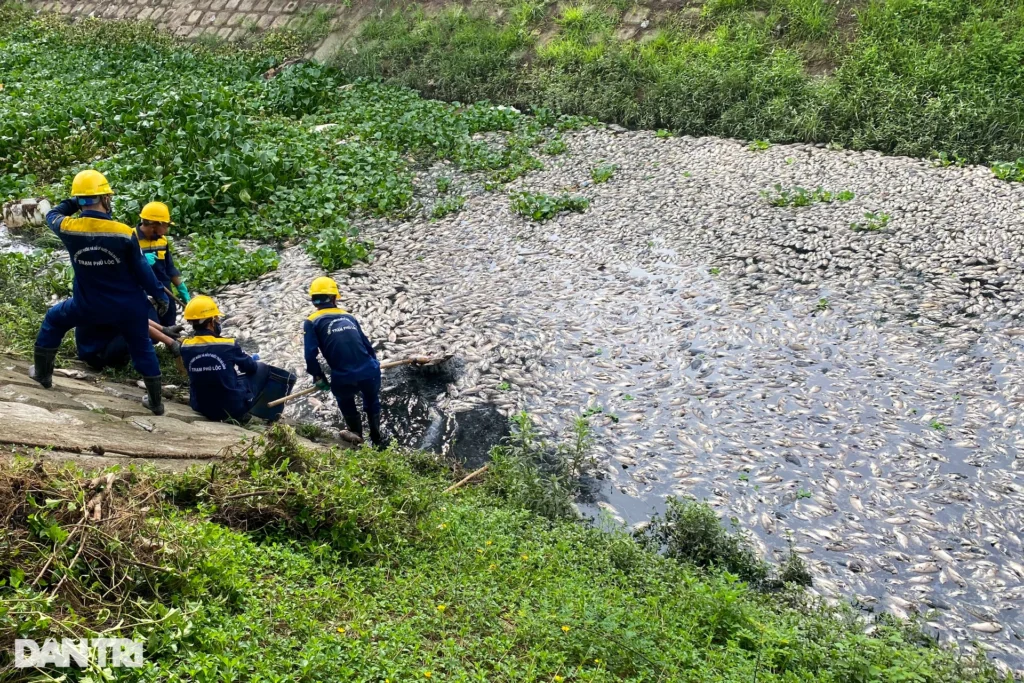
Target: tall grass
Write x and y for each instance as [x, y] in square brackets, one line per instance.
[913, 77]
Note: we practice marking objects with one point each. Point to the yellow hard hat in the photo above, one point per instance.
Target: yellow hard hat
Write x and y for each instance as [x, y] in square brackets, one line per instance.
[156, 211]
[200, 308]
[323, 286]
[90, 183]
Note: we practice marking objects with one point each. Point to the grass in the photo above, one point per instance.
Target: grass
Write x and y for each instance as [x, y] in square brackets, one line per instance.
[355, 566]
[914, 77]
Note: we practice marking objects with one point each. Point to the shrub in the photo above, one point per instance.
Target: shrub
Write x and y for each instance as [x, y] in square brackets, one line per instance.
[542, 207]
[337, 248]
[217, 261]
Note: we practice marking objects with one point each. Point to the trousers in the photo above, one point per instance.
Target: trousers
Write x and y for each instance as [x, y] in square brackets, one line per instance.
[68, 315]
[269, 384]
[345, 393]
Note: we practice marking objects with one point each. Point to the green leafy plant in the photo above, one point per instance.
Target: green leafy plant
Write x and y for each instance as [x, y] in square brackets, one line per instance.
[823, 304]
[759, 145]
[555, 147]
[1012, 171]
[602, 173]
[541, 207]
[799, 196]
[217, 261]
[446, 206]
[443, 184]
[662, 133]
[873, 222]
[337, 248]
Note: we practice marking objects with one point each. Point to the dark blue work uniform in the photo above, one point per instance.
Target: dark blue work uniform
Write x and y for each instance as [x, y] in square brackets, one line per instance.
[164, 270]
[101, 346]
[112, 279]
[218, 392]
[354, 367]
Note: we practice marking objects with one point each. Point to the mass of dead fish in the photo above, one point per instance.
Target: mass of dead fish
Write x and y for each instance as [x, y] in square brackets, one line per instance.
[852, 395]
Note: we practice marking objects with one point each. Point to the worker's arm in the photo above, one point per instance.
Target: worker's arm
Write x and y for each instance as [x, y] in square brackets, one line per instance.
[312, 350]
[244, 362]
[157, 335]
[57, 214]
[176, 279]
[144, 275]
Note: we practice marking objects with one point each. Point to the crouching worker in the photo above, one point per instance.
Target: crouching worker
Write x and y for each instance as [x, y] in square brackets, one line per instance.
[103, 346]
[352, 360]
[216, 389]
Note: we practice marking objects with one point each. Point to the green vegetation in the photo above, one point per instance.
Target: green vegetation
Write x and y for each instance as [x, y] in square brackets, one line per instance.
[217, 261]
[1009, 170]
[602, 173]
[443, 184]
[355, 566]
[27, 283]
[798, 196]
[913, 77]
[538, 206]
[873, 222]
[447, 205]
[759, 145]
[337, 248]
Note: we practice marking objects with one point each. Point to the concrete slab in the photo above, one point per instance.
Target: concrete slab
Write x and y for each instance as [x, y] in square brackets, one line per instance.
[35, 395]
[8, 376]
[87, 432]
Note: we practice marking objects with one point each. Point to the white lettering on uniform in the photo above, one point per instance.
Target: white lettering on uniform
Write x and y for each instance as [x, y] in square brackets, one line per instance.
[97, 259]
[218, 364]
[340, 325]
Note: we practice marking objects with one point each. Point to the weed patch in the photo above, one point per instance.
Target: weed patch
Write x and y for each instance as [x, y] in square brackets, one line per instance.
[337, 248]
[542, 207]
[799, 196]
[602, 173]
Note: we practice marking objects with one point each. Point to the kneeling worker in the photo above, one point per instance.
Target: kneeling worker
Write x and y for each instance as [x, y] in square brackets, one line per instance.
[216, 390]
[103, 346]
[352, 360]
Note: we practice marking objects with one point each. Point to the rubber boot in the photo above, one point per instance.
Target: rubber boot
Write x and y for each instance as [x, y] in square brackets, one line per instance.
[42, 368]
[380, 441]
[154, 399]
[354, 423]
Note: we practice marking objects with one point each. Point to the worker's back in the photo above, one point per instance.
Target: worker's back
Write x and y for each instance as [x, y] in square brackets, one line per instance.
[343, 345]
[105, 256]
[215, 388]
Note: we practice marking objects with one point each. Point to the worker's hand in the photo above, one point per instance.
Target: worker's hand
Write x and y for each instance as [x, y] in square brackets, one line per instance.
[173, 331]
[183, 292]
[255, 356]
[162, 305]
[175, 348]
[322, 384]
[150, 258]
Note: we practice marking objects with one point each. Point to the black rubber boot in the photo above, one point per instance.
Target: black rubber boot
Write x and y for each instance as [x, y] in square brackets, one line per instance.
[154, 399]
[380, 441]
[354, 423]
[42, 366]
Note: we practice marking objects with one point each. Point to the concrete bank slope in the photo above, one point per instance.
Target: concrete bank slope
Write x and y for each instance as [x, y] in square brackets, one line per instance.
[100, 423]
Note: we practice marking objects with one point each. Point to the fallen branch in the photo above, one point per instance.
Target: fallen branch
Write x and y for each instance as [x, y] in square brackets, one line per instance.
[467, 478]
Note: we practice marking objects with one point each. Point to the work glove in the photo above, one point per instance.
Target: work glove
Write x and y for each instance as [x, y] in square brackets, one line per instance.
[150, 258]
[255, 356]
[183, 292]
[322, 384]
[162, 304]
[174, 331]
[176, 348]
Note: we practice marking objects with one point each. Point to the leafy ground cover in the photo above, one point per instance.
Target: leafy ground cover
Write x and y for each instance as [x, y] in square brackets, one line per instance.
[913, 77]
[283, 564]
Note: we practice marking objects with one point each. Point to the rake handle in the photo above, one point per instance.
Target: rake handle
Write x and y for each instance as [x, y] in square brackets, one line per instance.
[383, 366]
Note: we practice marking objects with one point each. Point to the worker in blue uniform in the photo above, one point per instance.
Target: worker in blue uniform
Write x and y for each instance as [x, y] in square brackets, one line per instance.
[111, 282]
[155, 221]
[213, 362]
[353, 363]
